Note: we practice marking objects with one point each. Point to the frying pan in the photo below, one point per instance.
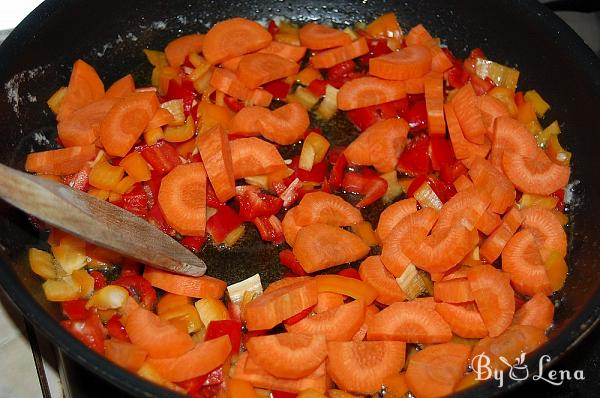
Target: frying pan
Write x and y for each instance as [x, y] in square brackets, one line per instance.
[38, 55]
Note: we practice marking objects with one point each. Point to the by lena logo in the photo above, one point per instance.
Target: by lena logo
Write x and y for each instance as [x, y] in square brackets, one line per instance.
[518, 370]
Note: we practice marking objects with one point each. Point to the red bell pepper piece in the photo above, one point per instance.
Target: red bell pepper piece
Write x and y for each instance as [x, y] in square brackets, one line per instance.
[449, 172]
[99, 279]
[156, 218]
[289, 260]
[139, 288]
[75, 309]
[254, 203]
[222, 223]
[283, 394]
[228, 327]
[273, 28]
[371, 187]
[211, 197]
[377, 47]
[519, 98]
[89, 331]
[278, 88]
[560, 194]
[365, 117]
[442, 190]
[337, 173]
[316, 174]
[135, 201]
[270, 229]
[481, 86]
[184, 91]
[334, 154]
[415, 158]
[152, 186]
[317, 87]
[233, 103]
[193, 243]
[441, 152]
[291, 193]
[417, 116]
[341, 71]
[115, 328]
[79, 180]
[299, 316]
[193, 386]
[350, 273]
[162, 156]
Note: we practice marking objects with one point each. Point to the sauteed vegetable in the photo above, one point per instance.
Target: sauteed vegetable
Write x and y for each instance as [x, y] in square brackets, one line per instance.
[235, 131]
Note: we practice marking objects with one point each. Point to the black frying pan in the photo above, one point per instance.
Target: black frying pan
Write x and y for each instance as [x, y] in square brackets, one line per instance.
[111, 34]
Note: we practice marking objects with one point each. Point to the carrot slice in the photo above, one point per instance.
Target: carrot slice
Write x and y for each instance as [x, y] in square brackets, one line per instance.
[433, 85]
[182, 199]
[439, 60]
[190, 286]
[257, 69]
[510, 135]
[453, 291]
[491, 108]
[325, 208]
[284, 282]
[126, 122]
[288, 355]
[352, 287]
[486, 177]
[327, 301]
[435, 370]
[494, 296]
[259, 97]
[321, 37]
[464, 319]
[419, 36]
[124, 354]
[468, 114]
[361, 366]
[254, 157]
[463, 148]
[121, 88]
[161, 117]
[371, 310]
[216, 156]
[226, 81]
[285, 125]
[246, 120]
[270, 309]
[203, 358]
[290, 226]
[246, 369]
[412, 322]
[407, 63]
[547, 230]
[60, 161]
[177, 50]
[334, 56]
[374, 273]
[161, 339]
[321, 246]
[233, 37]
[488, 222]
[468, 205]
[538, 312]
[84, 88]
[287, 51]
[538, 174]
[521, 258]
[493, 245]
[367, 91]
[393, 214]
[81, 127]
[379, 145]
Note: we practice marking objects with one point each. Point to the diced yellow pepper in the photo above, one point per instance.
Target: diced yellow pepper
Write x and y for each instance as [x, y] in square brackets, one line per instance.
[385, 26]
[532, 200]
[71, 287]
[56, 100]
[101, 194]
[154, 135]
[556, 152]
[307, 75]
[124, 185]
[237, 388]
[540, 106]
[427, 197]
[110, 297]
[185, 317]
[506, 96]
[235, 235]
[156, 58]
[43, 264]
[394, 188]
[175, 107]
[501, 75]
[136, 167]
[364, 230]
[304, 97]
[70, 254]
[180, 133]
[543, 137]
[209, 115]
[149, 373]
[314, 149]
[210, 309]
[328, 106]
[105, 176]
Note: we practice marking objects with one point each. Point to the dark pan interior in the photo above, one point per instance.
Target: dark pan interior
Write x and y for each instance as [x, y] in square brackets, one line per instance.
[36, 59]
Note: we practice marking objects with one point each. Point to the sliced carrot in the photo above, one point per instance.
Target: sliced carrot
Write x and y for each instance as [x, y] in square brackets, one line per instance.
[373, 272]
[491, 108]
[334, 56]
[464, 319]
[392, 252]
[439, 60]
[371, 310]
[177, 50]
[254, 157]
[367, 91]
[125, 354]
[468, 114]
[321, 246]
[321, 37]
[249, 371]
[521, 258]
[435, 370]
[270, 309]
[288, 355]
[407, 63]
[203, 358]
[325, 208]
[415, 86]
[361, 366]
[182, 199]
[287, 51]
[412, 322]
[488, 222]
[245, 122]
[81, 127]
[493, 245]
[453, 291]
[259, 97]
[433, 85]
[379, 145]
[84, 88]
[511, 136]
[352, 287]
[216, 156]
[327, 301]
[463, 148]
[233, 64]
[161, 117]
[159, 338]
[126, 122]
[494, 296]
[60, 161]
[190, 286]
[538, 312]
[285, 125]
[226, 81]
[237, 388]
[121, 88]
[547, 230]
[419, 36]
[538, 174]
[257, 69]
[284, 282]
[233, 37]
[486, 177]
[393, 214]
[290, 226]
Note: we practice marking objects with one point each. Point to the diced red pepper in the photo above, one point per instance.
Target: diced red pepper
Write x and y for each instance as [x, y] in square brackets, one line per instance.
[214, 378]
[457, 77]
[442, 190]
[316, 174]
[441, 152]
[278, 88]
[273, 28]
[481, 86]
[193, 243]
[337, 172]
[211, 197]
[115, 328]
[350, 273]
[377, 47]
[193, 386]
[75, 309]
[289, 260]
[233, 103]
[139, 288]
[184, 91]
[334, 154]
[228, 327]
[156, 218]
[317, 87]
[99, 279]
[135, 201]
[449, 172]
[371, 187]
[89, 331]
[341, 71]
[560, 194]
[79, 180]
[365, 117]
[417, 116]
[415, 158]
[254, 203]
[187, 63]
[270, 229]
[222, 223]
[162, 156]
[283, 394]
[152, 186]
[291, 193]
[519, 98]
[130, 267]
[299, 316]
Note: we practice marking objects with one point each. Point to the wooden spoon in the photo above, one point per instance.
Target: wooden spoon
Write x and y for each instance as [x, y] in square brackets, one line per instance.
[96, 221]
